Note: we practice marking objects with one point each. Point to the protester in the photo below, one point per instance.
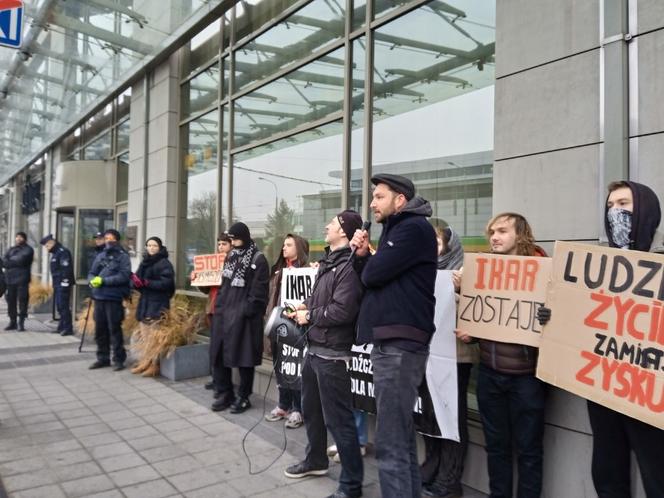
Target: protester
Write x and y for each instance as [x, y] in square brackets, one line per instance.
[294, 254]
[330, 312]
[18, 261]
[510, 397]
[444, 458]
[397, 316]
[632, 215]
[223, 247]
[155, 281]
[237, 335]
[62, 273]
[109, 279]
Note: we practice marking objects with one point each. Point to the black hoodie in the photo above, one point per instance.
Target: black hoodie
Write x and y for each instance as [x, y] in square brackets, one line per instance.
[646, 215]
[157, 270]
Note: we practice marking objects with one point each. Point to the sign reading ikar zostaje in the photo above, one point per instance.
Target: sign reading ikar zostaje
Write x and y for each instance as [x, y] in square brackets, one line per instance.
[208, 269]
[500, 296]
[296, 286]
[605, 340]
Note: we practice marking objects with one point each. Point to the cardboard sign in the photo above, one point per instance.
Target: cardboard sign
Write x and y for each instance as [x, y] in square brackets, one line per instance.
[605, 340]
[439, 402]
[500, 296]
[208, 269]
[296, 286]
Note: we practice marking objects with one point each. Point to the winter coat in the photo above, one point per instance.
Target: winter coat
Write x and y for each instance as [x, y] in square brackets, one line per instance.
[400, 279]
[18, 261]
[156, 295]
[509, 358]
[237, 326]
[334, 302]
[62, 266]
[114, 267]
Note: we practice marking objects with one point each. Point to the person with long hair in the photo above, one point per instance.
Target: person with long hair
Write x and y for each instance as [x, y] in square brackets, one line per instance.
[155, 281]
[294, 254]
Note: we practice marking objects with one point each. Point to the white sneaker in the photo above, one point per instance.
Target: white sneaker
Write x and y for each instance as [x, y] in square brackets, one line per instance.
[276, 414]
[337, 459]
[332, 450]
[294, 420]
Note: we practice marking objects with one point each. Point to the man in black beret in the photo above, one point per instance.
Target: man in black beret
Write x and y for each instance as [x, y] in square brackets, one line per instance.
[62, 273]
[18, 261]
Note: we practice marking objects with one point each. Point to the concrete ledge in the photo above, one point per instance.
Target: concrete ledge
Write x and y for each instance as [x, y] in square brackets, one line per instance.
[186, 362]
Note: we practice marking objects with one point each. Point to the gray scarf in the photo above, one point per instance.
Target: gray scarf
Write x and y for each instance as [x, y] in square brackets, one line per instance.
[453, 257]
[620, 221]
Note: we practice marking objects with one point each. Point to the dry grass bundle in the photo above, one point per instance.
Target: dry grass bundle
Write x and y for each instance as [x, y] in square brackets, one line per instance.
[176, 327]
[39, 292]
[129, 324]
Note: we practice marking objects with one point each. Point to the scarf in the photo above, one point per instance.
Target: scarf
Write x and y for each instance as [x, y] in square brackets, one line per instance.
[620, 222]
[238, 263]
[453, 258]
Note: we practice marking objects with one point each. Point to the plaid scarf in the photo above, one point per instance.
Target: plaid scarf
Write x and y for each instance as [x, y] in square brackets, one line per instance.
[238, 262]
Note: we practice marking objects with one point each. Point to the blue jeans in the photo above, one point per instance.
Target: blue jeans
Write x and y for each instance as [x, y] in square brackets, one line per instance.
[327, 404]
[361, 425]
[512, 411]
[397, 377]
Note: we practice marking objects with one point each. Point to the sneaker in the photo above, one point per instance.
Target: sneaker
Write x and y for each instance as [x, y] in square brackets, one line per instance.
[303, 469]
[99, 364]
[434, 491]
[118, 366]
[276, 414]
[294, 420]
[332, 450]
[240, 405]
[337, 459]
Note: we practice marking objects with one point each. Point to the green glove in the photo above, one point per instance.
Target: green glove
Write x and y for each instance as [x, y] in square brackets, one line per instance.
[96, 282]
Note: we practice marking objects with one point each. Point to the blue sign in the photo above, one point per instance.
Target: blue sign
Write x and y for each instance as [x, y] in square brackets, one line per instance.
[11, 23]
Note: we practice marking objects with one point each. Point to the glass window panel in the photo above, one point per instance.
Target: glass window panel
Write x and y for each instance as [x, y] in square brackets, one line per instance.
[200, 139]
[250, 15]
[122, 136]
[100, 148]
[202, 48]
[307, 30]
[358, 117]
[303, 96]
[123, 103]
[122, 183]
[201, 92]
[433, 89]
[90, 222]
[290, 186]
[359, 14]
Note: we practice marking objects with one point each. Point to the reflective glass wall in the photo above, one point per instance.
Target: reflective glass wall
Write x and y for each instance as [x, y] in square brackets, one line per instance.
[289, 107]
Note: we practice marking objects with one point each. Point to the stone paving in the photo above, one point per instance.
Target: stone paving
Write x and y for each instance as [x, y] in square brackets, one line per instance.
[69, 431]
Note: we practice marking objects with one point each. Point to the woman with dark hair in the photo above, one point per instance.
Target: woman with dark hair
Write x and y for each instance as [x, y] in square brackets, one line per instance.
[444, 459]
[155, 280]
[294, 254]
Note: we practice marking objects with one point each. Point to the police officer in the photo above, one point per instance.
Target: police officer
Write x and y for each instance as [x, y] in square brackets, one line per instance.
[94, 251]
[62, 273]
[18, 261]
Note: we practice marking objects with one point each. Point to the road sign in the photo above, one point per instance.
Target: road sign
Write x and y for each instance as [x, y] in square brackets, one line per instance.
[11, 23]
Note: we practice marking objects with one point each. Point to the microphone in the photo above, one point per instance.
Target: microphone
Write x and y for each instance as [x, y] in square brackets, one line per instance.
[366, 226]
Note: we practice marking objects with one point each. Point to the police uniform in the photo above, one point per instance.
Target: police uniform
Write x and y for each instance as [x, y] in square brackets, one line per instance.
[62, 272]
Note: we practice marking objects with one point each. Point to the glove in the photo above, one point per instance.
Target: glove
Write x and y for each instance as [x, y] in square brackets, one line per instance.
[96, 282]
[138, 283]
[543, 315]
[145, 282]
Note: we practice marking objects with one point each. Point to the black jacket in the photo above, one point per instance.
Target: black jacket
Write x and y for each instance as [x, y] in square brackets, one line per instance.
[156, 295]
[334, 302]
[114, 267]
[237, 327]
[62, 269]
[18, 261]
[400, 279]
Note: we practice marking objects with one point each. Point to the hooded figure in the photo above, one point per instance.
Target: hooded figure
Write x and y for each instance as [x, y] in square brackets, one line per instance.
[237, 336]
[155, 280]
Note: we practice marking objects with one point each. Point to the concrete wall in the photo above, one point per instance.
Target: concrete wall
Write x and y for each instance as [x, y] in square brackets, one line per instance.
[550, 123]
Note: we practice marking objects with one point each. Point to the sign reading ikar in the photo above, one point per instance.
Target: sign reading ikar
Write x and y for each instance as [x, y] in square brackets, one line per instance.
[605, 340]
[500, 296]
[11, 23]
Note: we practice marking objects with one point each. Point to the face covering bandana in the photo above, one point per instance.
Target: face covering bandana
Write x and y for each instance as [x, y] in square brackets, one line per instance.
[110, 244]
[620, 222]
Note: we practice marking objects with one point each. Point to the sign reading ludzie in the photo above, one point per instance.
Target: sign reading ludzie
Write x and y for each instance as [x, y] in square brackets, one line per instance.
[208, 269]
[296, 286]
[500, 296]
[605, 340]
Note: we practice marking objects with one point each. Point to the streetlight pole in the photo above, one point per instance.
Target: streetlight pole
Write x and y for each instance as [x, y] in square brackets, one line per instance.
[276, 192]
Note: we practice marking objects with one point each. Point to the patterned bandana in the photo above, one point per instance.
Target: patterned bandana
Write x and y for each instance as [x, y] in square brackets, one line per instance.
[620, 221]
[238, 262]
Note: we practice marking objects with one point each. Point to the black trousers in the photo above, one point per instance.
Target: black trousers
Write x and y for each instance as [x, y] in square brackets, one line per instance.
[108, 317]
[222, 376]
[614, 435]
[62, 304]
[17, 292]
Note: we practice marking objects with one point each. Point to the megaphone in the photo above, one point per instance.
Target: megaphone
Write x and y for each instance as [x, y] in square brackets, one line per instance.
[280, 327]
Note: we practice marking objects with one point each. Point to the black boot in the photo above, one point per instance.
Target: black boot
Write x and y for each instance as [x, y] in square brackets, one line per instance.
[21, 324]
[11, 326]
[240, 405]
